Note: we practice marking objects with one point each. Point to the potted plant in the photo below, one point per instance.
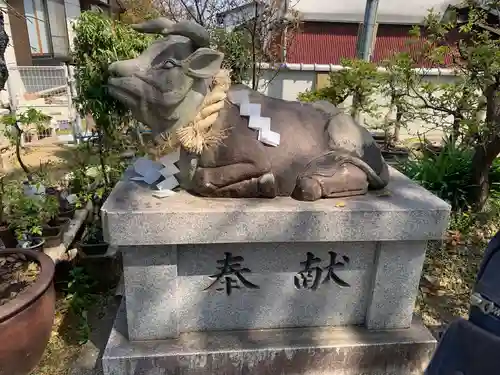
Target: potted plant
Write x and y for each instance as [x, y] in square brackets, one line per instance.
[26, 219]
[53, 226]
[36, 119]
[7, 238]
[27, 305]
[92, 242]
[67, 209]
[41, 130]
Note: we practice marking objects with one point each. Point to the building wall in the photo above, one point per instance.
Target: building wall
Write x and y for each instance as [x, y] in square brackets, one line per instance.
[10, 54]
[19, 29]
[389, 11]
[23, 81]
[72, 14]
[288, 84]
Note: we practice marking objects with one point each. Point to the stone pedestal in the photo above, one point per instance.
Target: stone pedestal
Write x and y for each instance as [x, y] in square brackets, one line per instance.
[254, 286]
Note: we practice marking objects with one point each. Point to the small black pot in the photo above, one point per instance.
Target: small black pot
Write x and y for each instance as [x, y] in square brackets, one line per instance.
[54, 191]
[51, 237]
[93, 249]
[395, 155]
[67, 212]
[61, 224]
[39, 243]
[7, 236]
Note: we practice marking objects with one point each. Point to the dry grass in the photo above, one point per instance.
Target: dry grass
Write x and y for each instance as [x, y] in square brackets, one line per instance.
[54, 159]
[448, 277]
[63, 347]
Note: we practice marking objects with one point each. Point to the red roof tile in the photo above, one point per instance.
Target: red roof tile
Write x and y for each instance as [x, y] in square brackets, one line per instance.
[329, 43]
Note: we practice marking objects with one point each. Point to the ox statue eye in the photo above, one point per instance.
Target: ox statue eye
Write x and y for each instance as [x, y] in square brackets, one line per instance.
[169, 64]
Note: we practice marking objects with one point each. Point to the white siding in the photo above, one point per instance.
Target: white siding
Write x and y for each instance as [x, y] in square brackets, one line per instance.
[10, 58]
[288, 84]
[285, 85]
[58, 112]
[72, 13]
[413, 11]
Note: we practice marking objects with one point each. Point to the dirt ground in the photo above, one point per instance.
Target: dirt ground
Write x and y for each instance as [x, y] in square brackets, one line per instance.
[50, 157]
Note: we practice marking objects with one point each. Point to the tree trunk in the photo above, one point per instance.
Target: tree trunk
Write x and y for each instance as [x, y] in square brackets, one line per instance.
[485, 152]
[397, 125]
[102, 160]
[18, 149]
[480, 179]
[355, 112]
[255, 83]
[456, 128]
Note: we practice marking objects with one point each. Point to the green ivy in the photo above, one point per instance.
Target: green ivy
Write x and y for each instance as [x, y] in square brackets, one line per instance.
[100, 41]
[237, 48]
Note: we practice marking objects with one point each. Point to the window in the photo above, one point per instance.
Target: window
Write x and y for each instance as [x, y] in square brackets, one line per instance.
[47, 29]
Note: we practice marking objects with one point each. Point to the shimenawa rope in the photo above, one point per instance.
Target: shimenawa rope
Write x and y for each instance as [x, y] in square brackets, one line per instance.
[200, 133]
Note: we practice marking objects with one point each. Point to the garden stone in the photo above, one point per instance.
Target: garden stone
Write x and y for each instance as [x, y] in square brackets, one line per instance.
[240, 286]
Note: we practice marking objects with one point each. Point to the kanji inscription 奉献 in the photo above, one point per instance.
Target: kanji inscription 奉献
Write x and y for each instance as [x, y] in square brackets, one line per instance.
[311, 276]
[230, 272]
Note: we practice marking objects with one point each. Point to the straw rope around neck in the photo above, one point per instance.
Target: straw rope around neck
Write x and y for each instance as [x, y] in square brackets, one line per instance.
[200, 133]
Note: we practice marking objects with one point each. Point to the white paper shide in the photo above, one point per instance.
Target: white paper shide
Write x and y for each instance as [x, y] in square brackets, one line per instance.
[255, 121]
[151, 171]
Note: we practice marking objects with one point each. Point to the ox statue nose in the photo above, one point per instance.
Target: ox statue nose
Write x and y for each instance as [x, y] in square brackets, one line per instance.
[124, 68]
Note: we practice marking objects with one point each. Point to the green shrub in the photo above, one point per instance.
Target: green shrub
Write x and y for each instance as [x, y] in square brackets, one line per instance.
[495, 178]
[446, 174]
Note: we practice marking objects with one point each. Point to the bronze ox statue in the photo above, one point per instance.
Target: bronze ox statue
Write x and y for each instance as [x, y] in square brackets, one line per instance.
[322, 152]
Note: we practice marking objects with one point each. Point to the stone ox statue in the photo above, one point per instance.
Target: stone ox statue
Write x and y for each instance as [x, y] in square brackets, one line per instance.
[178, 89]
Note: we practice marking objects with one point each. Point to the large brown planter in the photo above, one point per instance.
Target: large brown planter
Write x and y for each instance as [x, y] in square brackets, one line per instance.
[26, 321]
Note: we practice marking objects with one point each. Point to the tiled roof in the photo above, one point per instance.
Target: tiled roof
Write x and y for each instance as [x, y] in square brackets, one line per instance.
[328, 43]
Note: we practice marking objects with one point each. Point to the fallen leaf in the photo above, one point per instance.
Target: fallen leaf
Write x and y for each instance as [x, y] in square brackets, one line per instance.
[383, 193]
[440, 293]
[424, 289]
[32, 267]
[431, 279]
[340, 204]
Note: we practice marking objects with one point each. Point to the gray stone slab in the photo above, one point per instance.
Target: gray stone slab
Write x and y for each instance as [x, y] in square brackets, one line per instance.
[161, 306]
[406, 212]
[297, 351]
[150, 279]
[397, 275]
[278, 302]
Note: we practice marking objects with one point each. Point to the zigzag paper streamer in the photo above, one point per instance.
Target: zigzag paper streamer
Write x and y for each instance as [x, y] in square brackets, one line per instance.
[255, 120]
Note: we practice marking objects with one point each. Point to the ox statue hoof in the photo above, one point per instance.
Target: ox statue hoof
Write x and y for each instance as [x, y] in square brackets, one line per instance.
[344, 181]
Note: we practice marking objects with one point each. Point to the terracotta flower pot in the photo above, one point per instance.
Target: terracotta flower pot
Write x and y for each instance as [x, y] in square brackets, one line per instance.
[26, 321]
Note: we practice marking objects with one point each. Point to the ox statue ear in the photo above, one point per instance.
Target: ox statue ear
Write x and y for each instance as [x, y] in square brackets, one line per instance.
[155, 26]
[203, 63]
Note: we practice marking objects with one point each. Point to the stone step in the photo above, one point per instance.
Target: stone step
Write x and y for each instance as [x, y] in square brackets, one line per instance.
[317, 350]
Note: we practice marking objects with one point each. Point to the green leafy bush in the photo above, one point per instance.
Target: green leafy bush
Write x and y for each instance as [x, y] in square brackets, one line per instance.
[28, 213]
[446, 174]
[98, 42]
[237, 48]
[360, 80]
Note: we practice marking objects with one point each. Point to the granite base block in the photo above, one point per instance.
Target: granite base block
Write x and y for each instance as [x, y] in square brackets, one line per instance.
[293, 351]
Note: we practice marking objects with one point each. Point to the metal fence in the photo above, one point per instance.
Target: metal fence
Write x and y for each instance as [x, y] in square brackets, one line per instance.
[38, 79]
[31, 83]
[47, 89]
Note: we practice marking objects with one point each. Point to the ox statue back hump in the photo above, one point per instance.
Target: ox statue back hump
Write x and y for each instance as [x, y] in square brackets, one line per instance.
[317, 152]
